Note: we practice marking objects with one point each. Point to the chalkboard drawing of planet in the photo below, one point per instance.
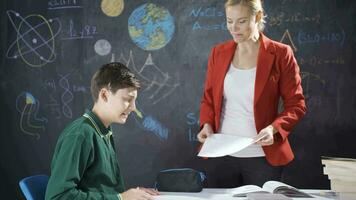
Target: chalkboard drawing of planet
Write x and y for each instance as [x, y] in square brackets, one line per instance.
[151, 27]
[112, 8]
[102, 47]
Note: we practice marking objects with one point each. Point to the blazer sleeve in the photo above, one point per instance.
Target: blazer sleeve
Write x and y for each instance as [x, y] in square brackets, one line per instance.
[290, 88]
[207, 102]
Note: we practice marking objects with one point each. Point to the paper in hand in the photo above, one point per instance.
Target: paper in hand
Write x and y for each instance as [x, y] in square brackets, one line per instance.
[217, 145]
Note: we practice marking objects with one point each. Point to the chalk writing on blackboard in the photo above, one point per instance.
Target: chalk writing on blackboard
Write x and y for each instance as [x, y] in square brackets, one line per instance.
[282, 18]
[75, 32]
[314, 61]
[192, 122]
[293, 1]
[203, 18]
[63, 4]
[305, 37]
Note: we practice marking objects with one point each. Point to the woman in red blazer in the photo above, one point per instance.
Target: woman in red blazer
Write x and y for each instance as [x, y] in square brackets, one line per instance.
[271, 73]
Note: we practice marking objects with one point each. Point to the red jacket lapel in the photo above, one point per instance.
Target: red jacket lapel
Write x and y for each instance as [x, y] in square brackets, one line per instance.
[264, 65]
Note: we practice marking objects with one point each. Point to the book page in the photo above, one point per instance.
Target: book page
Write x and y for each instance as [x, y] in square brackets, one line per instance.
[271, 185]
[282, 188]
[243, 190]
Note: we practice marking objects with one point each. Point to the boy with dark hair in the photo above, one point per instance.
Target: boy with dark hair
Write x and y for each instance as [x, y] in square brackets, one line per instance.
[84, 164]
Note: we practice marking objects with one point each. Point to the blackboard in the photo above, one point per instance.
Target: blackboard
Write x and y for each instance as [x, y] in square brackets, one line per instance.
[49, 49]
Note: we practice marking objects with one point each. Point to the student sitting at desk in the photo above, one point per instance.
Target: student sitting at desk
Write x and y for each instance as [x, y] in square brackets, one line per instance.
[84, 164]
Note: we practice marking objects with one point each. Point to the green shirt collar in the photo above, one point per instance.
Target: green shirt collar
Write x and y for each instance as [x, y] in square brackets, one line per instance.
[98, 124]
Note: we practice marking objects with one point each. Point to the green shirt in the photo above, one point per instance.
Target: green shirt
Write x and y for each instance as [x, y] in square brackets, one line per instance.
[84, 164]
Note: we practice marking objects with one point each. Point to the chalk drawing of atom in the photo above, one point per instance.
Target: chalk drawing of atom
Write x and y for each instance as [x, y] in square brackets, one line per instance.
[34, 42]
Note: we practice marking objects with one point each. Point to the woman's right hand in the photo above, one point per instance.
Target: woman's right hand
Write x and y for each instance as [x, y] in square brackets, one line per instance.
[205, 132]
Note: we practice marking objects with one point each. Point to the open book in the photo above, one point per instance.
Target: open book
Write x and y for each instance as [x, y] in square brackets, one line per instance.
[274, 187]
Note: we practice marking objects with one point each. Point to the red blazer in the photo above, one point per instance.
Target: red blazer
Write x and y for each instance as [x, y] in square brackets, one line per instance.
[277, 75]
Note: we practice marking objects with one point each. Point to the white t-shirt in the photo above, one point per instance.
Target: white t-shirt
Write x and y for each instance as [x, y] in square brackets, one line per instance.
[237, 117]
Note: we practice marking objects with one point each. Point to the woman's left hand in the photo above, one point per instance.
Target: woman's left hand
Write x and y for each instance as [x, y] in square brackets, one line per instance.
[266, 136]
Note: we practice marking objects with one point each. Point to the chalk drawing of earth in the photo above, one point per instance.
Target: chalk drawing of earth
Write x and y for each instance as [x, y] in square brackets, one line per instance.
[151, 27]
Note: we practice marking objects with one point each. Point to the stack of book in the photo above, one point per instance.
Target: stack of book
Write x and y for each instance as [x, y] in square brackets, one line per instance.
[342, 175]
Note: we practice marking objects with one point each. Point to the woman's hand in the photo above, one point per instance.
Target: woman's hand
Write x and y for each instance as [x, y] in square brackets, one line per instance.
[205, 132]
[266, 136]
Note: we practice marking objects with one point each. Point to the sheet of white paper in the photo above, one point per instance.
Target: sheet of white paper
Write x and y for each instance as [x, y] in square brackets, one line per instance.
[218, 145]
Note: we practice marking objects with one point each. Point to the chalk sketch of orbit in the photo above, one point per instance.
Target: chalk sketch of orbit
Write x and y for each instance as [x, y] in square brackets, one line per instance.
[34, 42]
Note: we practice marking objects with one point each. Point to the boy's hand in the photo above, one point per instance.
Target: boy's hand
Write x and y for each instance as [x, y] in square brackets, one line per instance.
[139, 193]
[149, 190]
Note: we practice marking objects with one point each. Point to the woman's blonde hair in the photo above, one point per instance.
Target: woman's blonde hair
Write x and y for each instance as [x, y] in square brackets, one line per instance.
[255, 6]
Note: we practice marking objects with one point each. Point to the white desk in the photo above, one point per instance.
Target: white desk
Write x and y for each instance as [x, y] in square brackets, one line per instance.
[220, 194]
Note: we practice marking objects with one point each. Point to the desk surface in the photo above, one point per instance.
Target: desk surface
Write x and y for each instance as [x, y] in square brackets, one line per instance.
[221, 194]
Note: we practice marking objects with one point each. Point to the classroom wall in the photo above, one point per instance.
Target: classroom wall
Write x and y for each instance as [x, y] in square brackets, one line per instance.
[49, 50]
